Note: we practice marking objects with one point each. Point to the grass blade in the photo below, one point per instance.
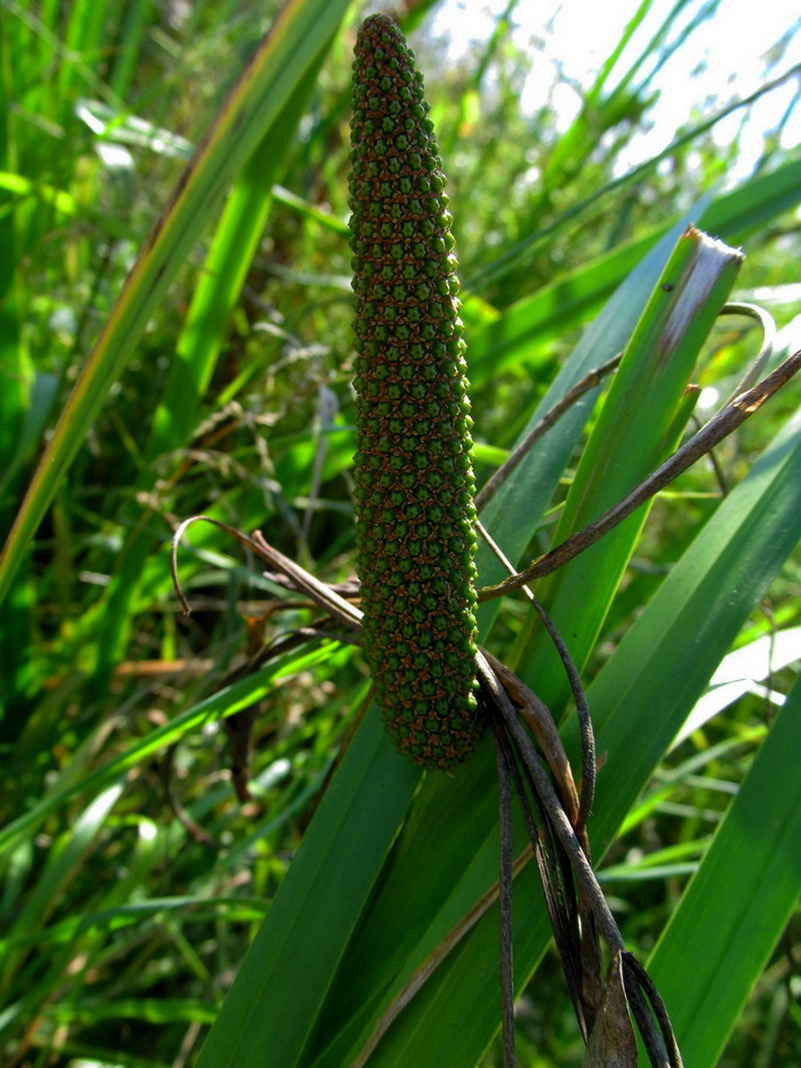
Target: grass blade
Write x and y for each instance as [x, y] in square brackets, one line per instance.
[719, 939]
[233, 247]
[275, 1003]
[279, 65]
[223, 703]
[640, 422]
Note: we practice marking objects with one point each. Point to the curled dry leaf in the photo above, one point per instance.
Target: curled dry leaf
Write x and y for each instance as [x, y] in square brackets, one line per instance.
[612, 1043]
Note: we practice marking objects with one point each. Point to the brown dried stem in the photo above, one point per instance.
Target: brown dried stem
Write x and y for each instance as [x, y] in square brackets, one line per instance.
[720, 426]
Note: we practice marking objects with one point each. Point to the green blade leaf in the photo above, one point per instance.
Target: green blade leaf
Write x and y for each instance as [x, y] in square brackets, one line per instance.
[235, 242]
[719, 939]
[274, 1005]
[255, 102]
[225, 702]
[639, 424]
[513, 514]
[669, 655]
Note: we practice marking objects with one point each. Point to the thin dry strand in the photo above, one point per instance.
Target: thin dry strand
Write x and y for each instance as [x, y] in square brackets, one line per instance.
[731, 416]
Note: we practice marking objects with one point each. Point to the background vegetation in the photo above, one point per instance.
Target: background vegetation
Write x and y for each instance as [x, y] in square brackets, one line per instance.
[133, 878]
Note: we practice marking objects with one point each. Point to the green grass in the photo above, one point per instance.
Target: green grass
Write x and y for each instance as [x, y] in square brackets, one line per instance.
[175, 342]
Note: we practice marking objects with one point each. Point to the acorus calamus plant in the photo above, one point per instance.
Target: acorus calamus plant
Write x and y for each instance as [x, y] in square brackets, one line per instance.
[347, 914]
[416, 517]
[416, 535]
